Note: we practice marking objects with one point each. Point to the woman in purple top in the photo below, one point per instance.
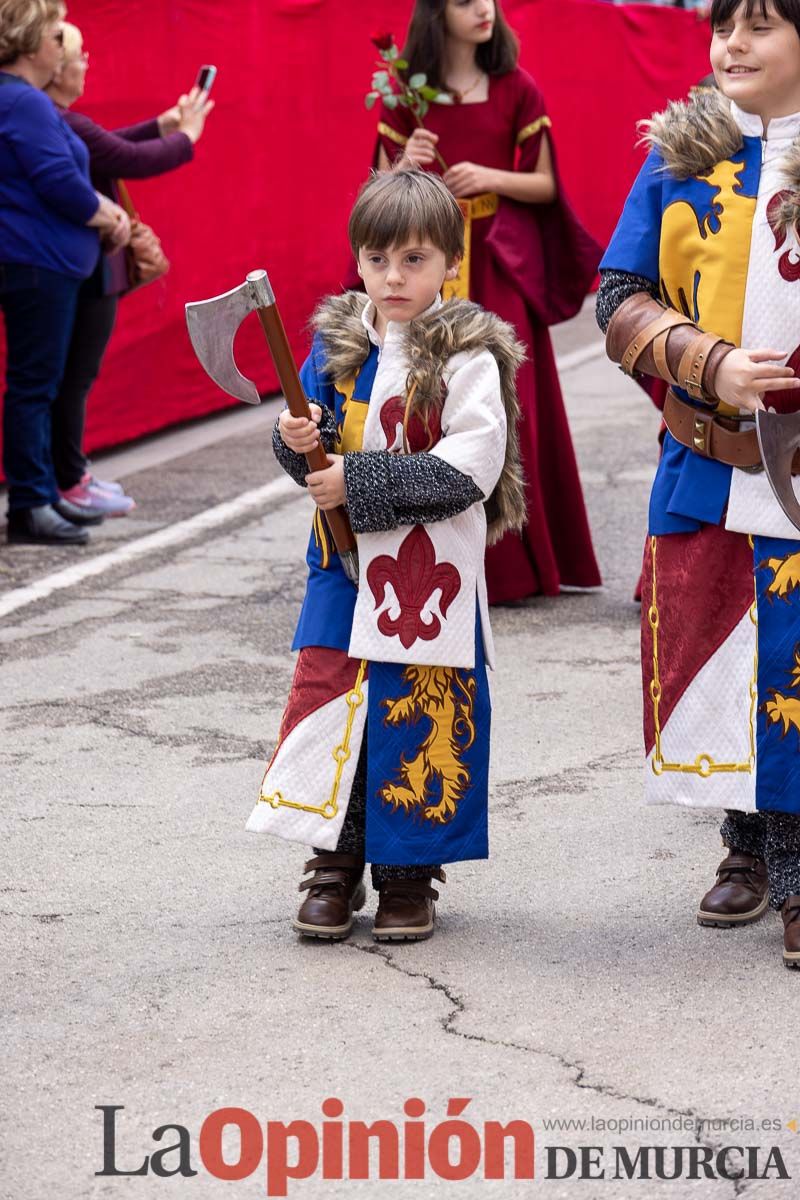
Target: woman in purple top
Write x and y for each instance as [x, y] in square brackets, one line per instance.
[50, 217]
[136, 152]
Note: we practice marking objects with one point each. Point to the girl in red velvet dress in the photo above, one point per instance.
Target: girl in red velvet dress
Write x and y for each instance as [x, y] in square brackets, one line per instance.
[529, 260]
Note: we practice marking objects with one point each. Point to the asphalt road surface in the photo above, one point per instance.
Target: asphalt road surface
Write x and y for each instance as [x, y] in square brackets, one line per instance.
[148, 956]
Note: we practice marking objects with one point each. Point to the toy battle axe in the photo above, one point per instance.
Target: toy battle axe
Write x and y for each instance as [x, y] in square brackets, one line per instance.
[212, 329]
[779, 441]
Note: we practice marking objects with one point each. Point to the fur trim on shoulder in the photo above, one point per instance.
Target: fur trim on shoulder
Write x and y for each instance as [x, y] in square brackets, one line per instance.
[338, 322]
[693, 135]
[458, 326]
[787, 217]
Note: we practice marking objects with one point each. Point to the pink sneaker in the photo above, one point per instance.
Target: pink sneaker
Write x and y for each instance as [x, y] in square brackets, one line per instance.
[92, 500]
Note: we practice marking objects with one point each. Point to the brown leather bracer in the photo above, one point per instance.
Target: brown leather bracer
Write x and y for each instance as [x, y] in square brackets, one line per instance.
[645, 336]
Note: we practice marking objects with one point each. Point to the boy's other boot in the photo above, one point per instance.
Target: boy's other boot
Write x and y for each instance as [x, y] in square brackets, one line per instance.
[335, 892]
[791, 932]
[406, 912]
[740, 895]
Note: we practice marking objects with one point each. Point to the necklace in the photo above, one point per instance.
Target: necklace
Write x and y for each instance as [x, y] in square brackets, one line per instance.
[459, 96]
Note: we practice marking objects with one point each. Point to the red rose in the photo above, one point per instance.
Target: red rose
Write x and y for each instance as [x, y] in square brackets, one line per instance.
[383, 41]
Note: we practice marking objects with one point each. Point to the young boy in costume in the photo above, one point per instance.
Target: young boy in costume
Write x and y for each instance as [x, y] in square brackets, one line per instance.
[701, 287]
[383, 750]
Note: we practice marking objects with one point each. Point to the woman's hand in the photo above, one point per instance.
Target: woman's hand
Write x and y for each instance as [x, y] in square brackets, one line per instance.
[169, 121]
[112, 221]
[327, 487]
[194, 109]
[744, 376]
[469, 179]
[298, 433]
[420, 149]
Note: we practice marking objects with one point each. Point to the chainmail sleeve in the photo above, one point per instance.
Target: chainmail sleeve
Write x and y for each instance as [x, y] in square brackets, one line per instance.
[385, 490]
[617, 286]
[295, 464]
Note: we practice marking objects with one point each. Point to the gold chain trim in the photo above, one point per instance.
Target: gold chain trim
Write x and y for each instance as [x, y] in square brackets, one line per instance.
[355, 698]
[704, 764]
[386, 131]
[528, 131]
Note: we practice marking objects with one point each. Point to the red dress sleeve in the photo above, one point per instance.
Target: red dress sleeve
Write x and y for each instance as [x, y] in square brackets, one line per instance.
[543, 247]
[531, 122]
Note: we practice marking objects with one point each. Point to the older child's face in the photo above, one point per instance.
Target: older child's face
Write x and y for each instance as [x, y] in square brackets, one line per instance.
[756, 62]
[470, 20]
[402, 281]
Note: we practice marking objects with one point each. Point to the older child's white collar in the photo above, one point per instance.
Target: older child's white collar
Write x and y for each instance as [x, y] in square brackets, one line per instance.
[778, 129]
[394, 329]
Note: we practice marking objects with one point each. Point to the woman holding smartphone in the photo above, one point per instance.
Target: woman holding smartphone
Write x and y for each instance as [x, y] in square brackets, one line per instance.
[135, 152]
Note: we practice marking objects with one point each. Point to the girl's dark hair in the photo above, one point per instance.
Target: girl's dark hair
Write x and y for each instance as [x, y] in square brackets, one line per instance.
[424, 48]
[723, 10]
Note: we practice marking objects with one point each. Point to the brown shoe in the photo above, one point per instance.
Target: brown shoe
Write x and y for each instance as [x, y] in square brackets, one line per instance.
[740, 895]
[335, 892]
[791, 932]
[406, 911]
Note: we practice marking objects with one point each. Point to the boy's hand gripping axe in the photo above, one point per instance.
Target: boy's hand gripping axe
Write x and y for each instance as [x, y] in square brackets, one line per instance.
[212, 329]
[779, 442]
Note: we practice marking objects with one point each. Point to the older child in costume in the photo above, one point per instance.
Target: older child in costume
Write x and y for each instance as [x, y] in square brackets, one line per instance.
[701, 287]
[383, 751]
[529, 260]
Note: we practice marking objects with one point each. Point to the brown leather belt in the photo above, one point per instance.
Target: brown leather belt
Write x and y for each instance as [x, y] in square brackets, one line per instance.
[712, 436]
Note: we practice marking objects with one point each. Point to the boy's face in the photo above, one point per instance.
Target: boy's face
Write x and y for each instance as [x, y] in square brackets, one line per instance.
[756, 62]
[402, 281]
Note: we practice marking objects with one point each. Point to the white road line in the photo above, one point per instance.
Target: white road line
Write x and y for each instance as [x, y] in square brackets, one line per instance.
[172, 535]
[183, 531]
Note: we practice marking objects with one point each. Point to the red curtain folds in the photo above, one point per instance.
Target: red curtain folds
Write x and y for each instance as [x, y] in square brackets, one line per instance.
[287, 146]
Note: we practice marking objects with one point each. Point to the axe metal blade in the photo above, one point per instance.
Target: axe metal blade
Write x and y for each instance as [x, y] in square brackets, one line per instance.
[778, 439]
[212, 326]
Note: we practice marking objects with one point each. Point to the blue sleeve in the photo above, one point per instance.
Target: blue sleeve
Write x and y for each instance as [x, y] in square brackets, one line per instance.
[316, 385]
[40, 141]
[634, 247]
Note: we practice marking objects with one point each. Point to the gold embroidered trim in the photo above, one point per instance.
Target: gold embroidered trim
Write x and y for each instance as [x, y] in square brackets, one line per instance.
[529, 130]
[386, 131]
[328, 810]
[484, 205]
[704, 764]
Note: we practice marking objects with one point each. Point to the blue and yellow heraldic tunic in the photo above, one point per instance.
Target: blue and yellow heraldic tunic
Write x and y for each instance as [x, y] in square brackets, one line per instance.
[402, 658]
[721, 599]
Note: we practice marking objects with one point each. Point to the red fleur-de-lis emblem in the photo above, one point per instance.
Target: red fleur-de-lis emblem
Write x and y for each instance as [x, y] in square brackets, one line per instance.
[421, 434]
[415, 576]
[788, 263]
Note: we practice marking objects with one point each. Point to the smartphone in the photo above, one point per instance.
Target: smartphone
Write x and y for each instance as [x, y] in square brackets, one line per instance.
[205, 78]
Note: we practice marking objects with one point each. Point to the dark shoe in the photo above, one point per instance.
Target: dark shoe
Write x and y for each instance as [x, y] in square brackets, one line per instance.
[42, 526]
[791, 932]
[406, 911]
[78, 516]
[740, 895]
[335, 892]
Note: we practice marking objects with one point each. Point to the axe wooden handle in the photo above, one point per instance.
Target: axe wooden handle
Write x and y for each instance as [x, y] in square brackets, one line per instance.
[279, 348]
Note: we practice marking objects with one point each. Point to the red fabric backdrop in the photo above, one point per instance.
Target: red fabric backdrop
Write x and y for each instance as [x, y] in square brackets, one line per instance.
[289, 141]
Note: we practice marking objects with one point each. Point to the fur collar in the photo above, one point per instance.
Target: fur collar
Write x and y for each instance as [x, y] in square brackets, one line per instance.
[431, 340]
[694, 135]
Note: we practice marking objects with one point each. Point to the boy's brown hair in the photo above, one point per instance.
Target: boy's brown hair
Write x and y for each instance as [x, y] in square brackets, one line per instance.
[397, 207]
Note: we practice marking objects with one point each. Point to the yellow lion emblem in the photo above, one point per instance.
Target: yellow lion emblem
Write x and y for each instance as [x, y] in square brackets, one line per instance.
[786, 709]
[785, 575]
[447, 700]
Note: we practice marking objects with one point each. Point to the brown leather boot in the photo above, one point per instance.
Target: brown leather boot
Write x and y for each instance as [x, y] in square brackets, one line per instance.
[406, 911]
[740, 895]
[791, 932]
[335, 892]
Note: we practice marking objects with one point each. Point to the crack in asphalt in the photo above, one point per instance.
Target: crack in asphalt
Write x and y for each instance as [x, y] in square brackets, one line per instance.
[459, 1008]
